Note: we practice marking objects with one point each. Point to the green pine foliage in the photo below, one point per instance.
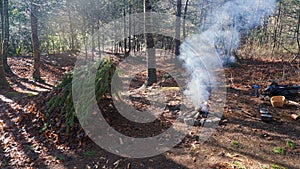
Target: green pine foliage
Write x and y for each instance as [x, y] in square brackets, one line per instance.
[63, 100]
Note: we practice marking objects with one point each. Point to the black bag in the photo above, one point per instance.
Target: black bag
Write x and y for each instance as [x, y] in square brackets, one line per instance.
[281, 90]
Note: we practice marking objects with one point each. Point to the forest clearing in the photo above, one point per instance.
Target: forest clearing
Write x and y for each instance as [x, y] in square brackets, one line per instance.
[120, 85]
[241, 137]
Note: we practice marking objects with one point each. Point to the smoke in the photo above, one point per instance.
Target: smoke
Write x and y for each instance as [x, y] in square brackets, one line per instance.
[214, 48]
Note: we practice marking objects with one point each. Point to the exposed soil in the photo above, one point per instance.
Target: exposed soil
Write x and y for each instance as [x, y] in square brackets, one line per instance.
[241, 140]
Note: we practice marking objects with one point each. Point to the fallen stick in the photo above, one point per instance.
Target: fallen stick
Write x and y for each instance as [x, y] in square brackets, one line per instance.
[289, 102]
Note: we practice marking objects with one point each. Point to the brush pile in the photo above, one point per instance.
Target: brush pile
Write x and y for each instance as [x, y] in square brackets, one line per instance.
[60, 108]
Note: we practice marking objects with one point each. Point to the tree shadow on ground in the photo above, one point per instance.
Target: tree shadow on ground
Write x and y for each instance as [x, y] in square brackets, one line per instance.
[44, 151]
[17, 138]
[217, 144]
[93, 156]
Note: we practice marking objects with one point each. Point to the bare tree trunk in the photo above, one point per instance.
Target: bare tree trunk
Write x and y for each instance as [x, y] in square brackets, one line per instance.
[72, 32]
[5, 33]
[127, 52]
[93, 42]
[2, 18]
[178, 25]
[298, 37]
[103, 43]
[276, 27]
[84, 32]
[124, 33]
[152, 78]
[115, 30]
[99, 4]
[129, 38]
[99, 39]
[35, 43]
[3, 80]
[184, 18]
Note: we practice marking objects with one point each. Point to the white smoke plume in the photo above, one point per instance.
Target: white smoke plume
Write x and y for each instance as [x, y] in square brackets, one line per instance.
[210, 50]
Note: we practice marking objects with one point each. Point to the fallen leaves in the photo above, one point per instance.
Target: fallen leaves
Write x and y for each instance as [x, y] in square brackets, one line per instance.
[22, 142]
[37, 143]
[2, 125]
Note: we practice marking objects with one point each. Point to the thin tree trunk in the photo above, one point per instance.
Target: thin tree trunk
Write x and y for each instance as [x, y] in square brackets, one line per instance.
[129, 38]
[2, 18]
[72, 36]
[5, 33]
[184, 18]
[93, 43]
[127, 52]
[124, 29]
[35, 43]
[152, 78]
[178, 25]
[103, 43]
[115, 29]
[99, 39]
[298, 36]
[276, 28]
[3, 80]
[99, 4]
[84, 32]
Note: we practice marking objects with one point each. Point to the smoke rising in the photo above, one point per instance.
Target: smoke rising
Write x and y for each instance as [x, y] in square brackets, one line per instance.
[214, 47]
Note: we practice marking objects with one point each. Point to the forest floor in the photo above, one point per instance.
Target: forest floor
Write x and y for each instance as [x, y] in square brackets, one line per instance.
[241, 140]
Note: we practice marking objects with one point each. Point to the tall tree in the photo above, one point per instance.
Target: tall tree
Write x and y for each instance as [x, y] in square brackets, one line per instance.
[184, 18]
[276, 28]
[298, 36]
[35, 42]
[5, 36]
[152, 78]
[127, 52]
[3, 80]
[178, 25]
[71, 26]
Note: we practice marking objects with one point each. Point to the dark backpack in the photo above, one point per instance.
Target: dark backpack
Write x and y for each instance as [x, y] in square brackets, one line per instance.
[281, 90]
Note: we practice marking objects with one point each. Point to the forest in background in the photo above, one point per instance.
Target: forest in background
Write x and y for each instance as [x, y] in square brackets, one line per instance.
[37, 28]
[65, 25]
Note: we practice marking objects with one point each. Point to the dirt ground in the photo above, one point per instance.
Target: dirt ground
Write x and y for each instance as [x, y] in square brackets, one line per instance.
[241, 139]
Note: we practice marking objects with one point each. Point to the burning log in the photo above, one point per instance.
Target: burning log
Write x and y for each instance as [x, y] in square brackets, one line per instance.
[203, 109]
[195, 117]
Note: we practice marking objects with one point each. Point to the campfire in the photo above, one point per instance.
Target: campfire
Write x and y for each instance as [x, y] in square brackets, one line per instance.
[196, 116]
